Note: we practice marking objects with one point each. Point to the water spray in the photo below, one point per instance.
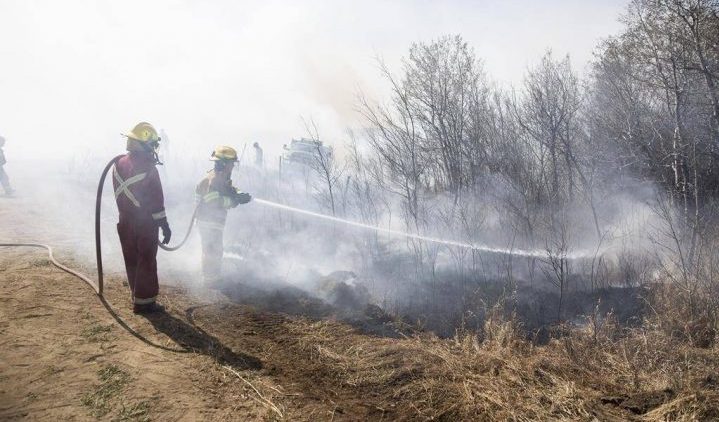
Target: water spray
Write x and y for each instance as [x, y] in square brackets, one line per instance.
[537, 253]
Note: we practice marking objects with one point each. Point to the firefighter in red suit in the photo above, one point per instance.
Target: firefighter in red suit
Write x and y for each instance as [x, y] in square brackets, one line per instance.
[140, 203]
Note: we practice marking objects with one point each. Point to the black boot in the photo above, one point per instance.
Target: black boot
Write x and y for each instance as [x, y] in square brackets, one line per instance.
[148, 308]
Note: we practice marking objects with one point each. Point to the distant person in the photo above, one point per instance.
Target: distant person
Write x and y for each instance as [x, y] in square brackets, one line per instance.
[4, 180]
[215, 195]
[165, 146]
[163, 152]
[140, 203]
[258, 155]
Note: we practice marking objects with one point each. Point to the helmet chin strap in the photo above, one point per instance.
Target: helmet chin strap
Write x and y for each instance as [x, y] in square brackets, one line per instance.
[220, 165]
[153, 151]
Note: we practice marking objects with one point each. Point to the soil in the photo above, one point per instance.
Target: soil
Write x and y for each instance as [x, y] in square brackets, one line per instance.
[63, 356]
[67, 355]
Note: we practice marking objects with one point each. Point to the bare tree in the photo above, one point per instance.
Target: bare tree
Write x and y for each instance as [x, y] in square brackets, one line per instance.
[323, 164]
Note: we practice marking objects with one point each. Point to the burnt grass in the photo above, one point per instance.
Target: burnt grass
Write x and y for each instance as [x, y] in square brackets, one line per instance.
[582, 370]
[442, 307]
[451, 348]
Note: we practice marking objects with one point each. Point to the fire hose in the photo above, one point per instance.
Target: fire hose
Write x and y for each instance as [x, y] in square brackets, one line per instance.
[102, 299]
[99, 286]
[55, 262]
[98, 240]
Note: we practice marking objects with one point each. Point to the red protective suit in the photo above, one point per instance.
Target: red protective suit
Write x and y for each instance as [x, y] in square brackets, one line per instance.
[140, 201]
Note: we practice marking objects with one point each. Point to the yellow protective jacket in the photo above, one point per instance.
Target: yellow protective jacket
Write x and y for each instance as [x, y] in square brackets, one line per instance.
[215, 195]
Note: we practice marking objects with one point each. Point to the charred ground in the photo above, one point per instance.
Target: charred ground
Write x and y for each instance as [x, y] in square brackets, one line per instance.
[253, 355]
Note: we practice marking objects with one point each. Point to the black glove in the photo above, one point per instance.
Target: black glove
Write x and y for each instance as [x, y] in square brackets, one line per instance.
[166, 232]
[243, 197]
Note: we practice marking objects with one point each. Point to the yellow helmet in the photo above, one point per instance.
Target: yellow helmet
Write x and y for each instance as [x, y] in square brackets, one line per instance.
[224, 153]
[143, 132]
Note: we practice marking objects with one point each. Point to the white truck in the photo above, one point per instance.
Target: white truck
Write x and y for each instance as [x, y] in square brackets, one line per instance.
[306, 152]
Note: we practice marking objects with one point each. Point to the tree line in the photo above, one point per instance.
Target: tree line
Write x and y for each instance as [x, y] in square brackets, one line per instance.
[448, 144]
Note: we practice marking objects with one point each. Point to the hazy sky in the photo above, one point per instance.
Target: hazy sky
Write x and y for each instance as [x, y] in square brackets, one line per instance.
[74, 74]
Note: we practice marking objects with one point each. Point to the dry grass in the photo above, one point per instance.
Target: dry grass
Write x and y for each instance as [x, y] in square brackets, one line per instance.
[602, 372]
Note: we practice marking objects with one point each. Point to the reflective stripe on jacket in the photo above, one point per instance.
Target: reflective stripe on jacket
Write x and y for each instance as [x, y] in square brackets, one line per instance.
[138, 190]
[215, 195]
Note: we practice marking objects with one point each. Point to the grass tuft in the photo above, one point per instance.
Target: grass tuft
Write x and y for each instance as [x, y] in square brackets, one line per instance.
[97, 333]
[113, 380]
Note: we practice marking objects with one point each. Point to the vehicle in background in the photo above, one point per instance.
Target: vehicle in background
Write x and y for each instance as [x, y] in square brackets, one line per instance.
[306, 152]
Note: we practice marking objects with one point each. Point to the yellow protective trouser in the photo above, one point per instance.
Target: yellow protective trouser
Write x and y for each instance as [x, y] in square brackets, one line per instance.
[212, 250]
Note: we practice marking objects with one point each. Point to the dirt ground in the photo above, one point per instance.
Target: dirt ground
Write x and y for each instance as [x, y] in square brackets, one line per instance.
[67, 355]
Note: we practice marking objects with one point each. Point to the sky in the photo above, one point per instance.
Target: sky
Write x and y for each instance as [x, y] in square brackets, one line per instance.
[75, 74]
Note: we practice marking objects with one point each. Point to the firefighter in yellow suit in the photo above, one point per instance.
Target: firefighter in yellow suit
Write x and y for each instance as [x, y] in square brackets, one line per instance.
[215, 195]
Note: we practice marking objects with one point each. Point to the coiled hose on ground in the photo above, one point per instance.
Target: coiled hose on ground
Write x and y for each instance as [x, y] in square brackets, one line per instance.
[94, 286]
[55, 262]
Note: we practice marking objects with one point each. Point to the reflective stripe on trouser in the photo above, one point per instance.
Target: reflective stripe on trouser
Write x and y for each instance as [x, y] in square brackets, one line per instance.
[212, 250]
[139, 248]
[210, 225]
[147, 301]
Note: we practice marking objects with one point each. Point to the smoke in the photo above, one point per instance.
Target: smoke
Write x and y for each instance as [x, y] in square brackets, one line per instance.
[294, 261]
[235, 73]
